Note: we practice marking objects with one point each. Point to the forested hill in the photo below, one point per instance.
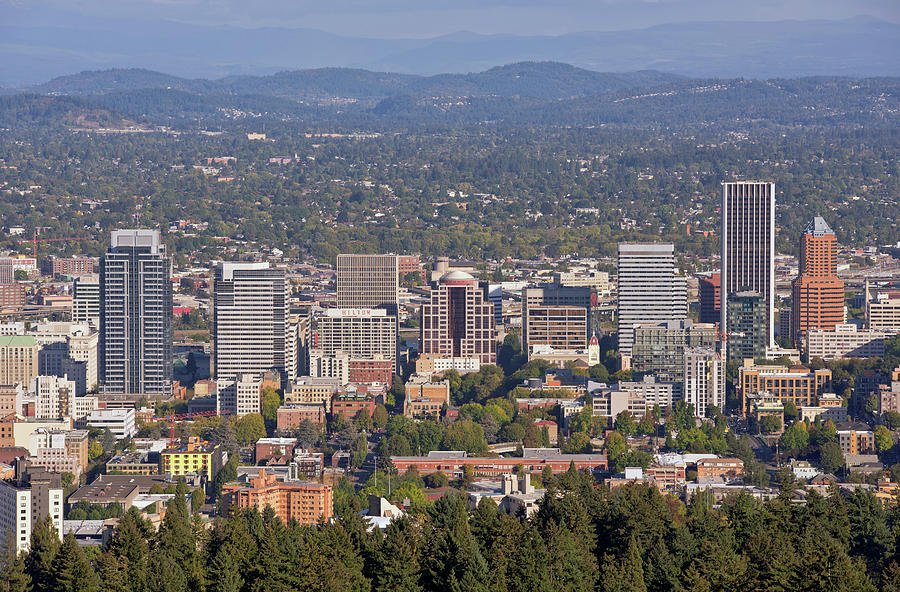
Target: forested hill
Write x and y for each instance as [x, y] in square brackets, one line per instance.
[734, 105]
[545, 80]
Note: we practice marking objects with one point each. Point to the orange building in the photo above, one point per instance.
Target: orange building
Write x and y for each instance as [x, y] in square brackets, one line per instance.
[817, 300]
[307, 503]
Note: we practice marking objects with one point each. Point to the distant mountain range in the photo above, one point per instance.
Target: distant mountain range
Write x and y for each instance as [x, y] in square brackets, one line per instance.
[62, 43]
[545, 80]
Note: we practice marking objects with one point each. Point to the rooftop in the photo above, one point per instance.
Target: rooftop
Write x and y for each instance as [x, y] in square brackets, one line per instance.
[818, 227]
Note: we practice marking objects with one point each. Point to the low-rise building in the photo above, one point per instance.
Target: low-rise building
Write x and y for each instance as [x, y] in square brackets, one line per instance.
[276, 451]
[637, 397]
[883, 312]
[350, 403]
[107, 490]
[18, 359]
[437, 364]
[307, 503]
[720, 468]
[452, 462]
[889, 394]
[846, 341]
[666, 478]
[797, 384]
[193, 458]
[552, 430]
[16, 430]
[856, 441]
[513, 495]
[118, 421]
[803, 470]
[140, 462]
[425, 398]
[309, 390]
[240, 396]
[60, 451]
[289, 417]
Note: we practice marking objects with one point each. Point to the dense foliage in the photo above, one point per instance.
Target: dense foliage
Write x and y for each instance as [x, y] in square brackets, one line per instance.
[583, 538]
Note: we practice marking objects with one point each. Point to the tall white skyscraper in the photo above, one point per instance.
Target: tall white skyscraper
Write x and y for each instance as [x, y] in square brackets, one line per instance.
[250, 321]
[136, 314]
[650, 291]
[748, 246]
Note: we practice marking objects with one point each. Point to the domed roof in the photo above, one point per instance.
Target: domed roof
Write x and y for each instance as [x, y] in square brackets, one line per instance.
[456, 276]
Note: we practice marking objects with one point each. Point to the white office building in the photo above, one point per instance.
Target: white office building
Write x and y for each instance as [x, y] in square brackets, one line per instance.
[251, 332]
[846, 341]
[240, 396]
[34, 494]
[650, 291]
[704, 379]
[119, 421]
[54, 397]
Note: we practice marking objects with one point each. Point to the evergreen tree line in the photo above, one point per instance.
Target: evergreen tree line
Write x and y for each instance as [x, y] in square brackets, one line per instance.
[582, 538]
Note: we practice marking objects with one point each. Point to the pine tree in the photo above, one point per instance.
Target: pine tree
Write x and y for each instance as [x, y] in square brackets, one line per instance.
[397, 558]
[12, 567]
[456, 561]
[226, 576]
[341, 568]
[129, 543]
[164, 574]
[111, 573]
[72, 571]
[176, 539]
[572, 564]
[625, 573]
[44, 547]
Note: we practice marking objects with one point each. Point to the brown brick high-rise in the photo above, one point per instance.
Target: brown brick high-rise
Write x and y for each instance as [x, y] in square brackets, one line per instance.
[817, 299]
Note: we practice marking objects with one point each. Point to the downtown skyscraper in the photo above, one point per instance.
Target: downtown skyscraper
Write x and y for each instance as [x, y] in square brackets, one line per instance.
[458, 321]
[817, 294]
[650, 291]
[250, 321]
[748, 247]
[368, 281]
[136, 314]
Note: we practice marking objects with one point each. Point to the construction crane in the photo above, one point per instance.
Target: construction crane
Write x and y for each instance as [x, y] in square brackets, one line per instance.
[34, 241]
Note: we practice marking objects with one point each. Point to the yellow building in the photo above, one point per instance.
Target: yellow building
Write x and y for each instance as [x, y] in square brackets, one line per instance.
[797, 384]
[195, 457]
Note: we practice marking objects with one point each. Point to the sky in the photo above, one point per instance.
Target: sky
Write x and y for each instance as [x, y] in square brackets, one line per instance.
[429, 18]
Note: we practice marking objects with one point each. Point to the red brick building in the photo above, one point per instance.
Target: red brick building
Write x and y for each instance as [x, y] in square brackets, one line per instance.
[12, 296]
[726, 468]
[406, 265]
[289, 417]
[367, 371]
[55, 266]
[350, 404]
[275, 450]
[452, 463]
